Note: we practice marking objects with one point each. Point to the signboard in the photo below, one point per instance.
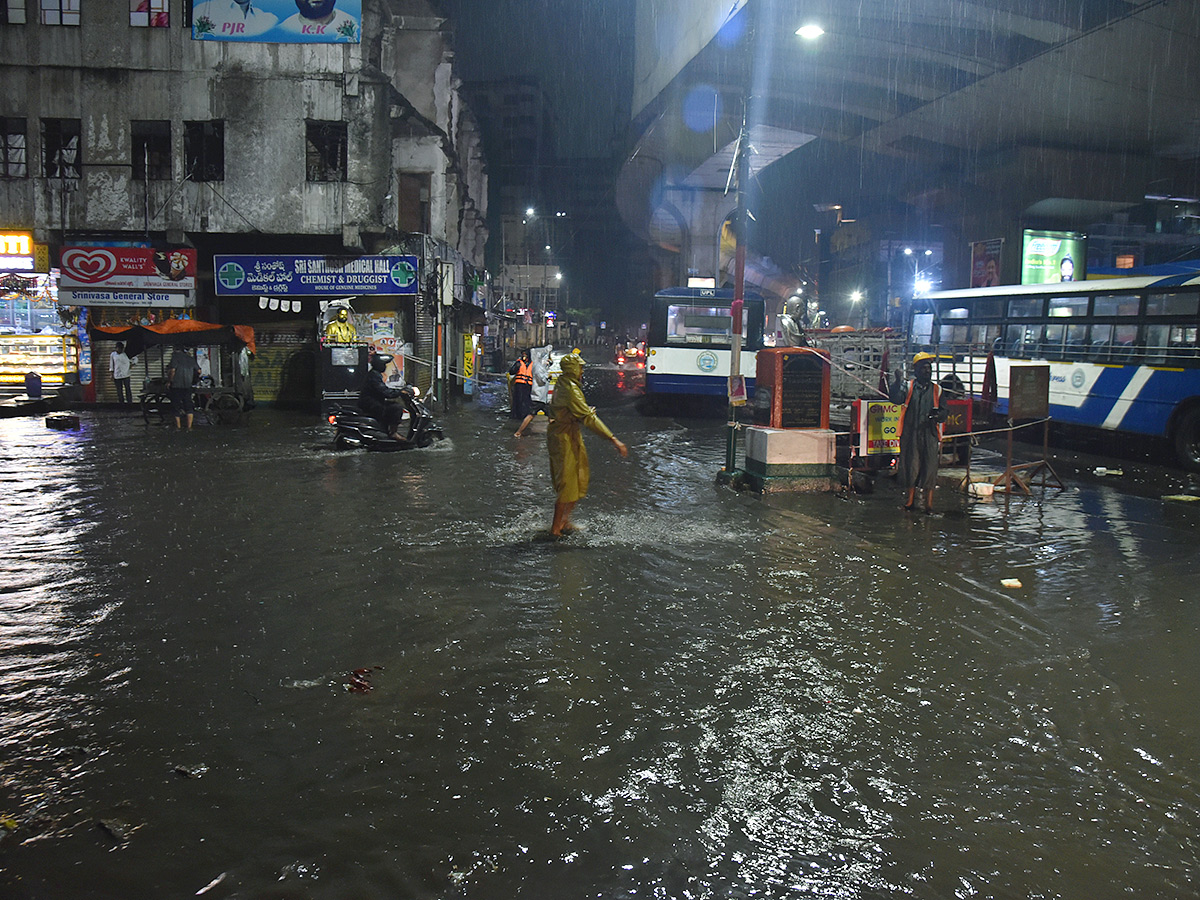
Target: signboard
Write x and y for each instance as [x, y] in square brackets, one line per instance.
[135, 268]
[85, 348]
[879, 427]
[1028, 392]
[468, 365]
[139, 299]
[985, 262]
[314, 275]
[278, 21]
[1049, 257]
[16, 252]
[958, 416]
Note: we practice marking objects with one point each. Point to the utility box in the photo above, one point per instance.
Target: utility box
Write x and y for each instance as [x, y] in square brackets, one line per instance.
[792, 388]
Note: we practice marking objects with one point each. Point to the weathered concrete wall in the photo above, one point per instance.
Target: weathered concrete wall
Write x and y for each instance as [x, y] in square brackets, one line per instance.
[106, 74]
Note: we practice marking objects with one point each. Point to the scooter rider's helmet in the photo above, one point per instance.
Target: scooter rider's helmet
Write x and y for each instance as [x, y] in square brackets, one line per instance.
[379, 363]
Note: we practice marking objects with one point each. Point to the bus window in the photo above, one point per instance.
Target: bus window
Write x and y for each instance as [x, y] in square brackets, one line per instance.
[1024, 307]
[959, 312]
[1101, 342]
[1157, 341]
[1068, 306]
[1172, 305]
[698, 324]
[1116, 305]
[952, 334]
[1021, 340]
[989, 309]
[1124, 345]
[922, 329]
[1052, 342]
[1076, 345]
[984, 335]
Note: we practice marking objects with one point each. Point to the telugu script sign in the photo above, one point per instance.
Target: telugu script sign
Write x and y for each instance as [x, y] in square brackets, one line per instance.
[314, 275]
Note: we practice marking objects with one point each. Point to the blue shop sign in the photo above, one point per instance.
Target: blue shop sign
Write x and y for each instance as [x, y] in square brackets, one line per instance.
[309, 276]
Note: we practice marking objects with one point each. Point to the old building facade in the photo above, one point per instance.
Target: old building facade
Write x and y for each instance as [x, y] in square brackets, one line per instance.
[146, 127]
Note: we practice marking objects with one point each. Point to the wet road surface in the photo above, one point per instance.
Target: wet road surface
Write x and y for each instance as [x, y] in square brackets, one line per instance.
[703, 694]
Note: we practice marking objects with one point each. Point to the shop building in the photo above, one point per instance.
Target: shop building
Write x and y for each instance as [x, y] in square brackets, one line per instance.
[174, 134]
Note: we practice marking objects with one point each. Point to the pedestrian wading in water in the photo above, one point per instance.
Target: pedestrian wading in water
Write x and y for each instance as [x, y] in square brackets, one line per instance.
[564, 438]
[920, 430]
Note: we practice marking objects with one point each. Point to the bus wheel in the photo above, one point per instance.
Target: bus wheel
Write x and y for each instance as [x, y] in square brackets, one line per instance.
[1187, 439]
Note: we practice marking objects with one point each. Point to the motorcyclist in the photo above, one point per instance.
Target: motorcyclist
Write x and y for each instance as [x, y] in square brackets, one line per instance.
[373, 400]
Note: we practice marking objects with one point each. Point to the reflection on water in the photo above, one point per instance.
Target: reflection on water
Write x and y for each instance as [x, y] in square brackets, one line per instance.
[702, 694]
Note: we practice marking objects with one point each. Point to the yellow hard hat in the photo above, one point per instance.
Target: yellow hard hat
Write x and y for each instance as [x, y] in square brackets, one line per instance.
[921, 357]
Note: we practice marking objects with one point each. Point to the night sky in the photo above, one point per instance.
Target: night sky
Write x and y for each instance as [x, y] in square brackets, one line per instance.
[581, 50]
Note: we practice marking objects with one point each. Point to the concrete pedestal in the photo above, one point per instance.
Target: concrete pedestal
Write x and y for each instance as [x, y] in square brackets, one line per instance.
[790, 459]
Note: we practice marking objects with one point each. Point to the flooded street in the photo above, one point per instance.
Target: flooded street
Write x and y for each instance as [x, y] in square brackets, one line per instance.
[703, 694]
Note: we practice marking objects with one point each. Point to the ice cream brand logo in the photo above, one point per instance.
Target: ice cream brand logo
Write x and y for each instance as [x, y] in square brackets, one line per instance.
[706, 361]
[89, 266]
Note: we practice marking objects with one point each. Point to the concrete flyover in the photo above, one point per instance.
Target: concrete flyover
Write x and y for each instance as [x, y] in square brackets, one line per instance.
[972, 118]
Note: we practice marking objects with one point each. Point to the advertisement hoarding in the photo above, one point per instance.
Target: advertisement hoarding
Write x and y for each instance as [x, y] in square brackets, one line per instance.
[1048, 257]
[128, 268]
[278, 21]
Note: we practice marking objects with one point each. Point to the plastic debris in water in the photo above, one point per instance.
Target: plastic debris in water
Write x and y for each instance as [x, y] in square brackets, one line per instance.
[212, 884]
[1181, 498]
[1011, 582]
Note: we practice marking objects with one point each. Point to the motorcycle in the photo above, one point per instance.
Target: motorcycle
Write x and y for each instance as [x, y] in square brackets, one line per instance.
[356, 430]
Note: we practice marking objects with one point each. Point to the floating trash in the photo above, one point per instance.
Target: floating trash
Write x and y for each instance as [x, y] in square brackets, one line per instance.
[1011, 582]
[1181, 498]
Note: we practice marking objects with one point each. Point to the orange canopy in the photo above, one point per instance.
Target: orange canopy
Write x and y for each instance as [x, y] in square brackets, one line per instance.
[184, 332]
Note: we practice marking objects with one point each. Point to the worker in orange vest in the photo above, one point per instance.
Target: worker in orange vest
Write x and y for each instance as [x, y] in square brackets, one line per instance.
[522, 390]
[920, 430]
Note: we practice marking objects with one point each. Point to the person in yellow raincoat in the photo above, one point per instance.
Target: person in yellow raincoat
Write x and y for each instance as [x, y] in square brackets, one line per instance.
[564, 439]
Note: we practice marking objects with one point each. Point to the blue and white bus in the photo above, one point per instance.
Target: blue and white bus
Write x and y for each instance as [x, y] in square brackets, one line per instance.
[1122, 352]
[689, 340]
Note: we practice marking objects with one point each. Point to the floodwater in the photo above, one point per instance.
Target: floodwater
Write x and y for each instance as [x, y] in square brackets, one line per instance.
[704, 694]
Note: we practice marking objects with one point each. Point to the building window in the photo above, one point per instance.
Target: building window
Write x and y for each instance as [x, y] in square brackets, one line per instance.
[12, 12]
[60, 12]
[61, 156]
[13, 160]
[151, 150]
[204, 150]
[412, 204]
[149, 13]
[325, 151]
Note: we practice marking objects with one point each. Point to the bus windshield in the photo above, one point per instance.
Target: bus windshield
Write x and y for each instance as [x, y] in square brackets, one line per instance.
[700, 324]
[704, 322]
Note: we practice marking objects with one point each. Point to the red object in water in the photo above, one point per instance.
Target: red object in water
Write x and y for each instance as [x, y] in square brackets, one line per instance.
[359, 681]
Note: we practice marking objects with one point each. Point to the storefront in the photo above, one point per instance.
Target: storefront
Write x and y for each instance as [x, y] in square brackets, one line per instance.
[34, 337]
[291, 301]
[116, 287]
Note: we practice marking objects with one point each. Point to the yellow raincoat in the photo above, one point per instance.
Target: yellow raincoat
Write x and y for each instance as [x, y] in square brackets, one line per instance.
[568, 457]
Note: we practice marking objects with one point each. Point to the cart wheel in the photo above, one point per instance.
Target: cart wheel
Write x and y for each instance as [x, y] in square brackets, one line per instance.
[156, 409]
[228, 408]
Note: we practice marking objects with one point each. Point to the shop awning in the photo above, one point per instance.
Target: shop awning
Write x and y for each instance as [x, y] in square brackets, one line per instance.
[175, 332]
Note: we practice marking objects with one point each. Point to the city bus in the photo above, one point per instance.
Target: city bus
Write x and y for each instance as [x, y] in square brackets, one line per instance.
[689, 340]
[1122, 352]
